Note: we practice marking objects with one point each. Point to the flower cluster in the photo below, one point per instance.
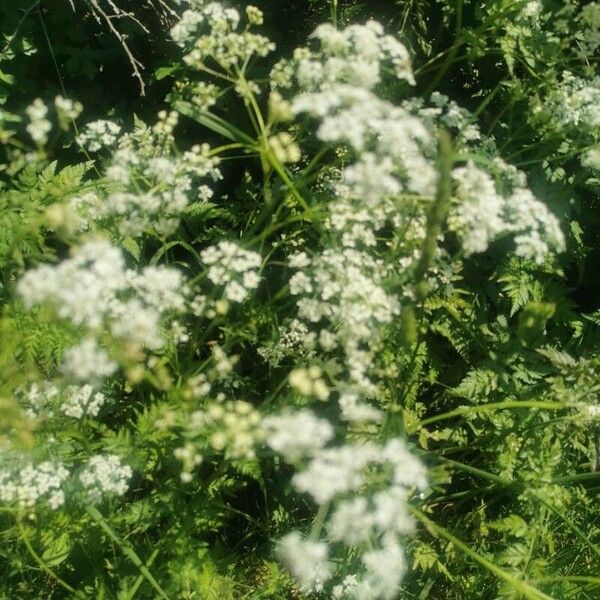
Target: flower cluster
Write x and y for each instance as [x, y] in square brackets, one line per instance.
[306, 560]
[341, 293]
[295, 435]
[151, 184]
[39, 126]
[87, 360]
[231, 428]
[441, 111]
[82, 401]
[67, 111]
[482, 215]
[46, 400]
[395, 146]
[309, 382]
[233, 268]
[105, 475]
[574, 104]
[294, 340]
[94, 289]
[352, 56]
[370, 522]
[31, 484]
[99, 134]
[208, 30]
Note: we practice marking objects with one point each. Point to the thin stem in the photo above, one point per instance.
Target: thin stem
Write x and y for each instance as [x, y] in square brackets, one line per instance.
[219, 149]
[437, 214]
[573, 578]
[319, 521]
[280, 169]
[38, 559]
[140, 579]
[126, 548]
[438, 531]
[492, 406]
[334, 12]
[136, 65]
[577, 477]
[64, 91]
[479, 472]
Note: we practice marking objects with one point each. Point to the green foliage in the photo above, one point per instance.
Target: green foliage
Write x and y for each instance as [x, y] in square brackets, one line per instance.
[493, 377]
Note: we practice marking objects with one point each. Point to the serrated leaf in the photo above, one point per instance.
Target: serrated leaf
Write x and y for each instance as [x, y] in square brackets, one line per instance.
[132, 247]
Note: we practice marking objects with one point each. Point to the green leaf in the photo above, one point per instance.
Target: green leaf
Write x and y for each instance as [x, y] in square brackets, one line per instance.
[513, 524]
[163, 72]
[57, 547]
[214, 123]
[6, 78]
[132, 247]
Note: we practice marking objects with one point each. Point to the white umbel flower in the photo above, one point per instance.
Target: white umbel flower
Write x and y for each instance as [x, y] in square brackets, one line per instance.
[104, 474]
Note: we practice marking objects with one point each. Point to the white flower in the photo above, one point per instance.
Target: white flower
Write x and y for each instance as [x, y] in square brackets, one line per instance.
[591, 158]
[478, 216]
[82, 401]
[67, 110]
[104, 474]
[335, 471]
[297, 435]
[308, 382]
[391, 511]
[385, 568]
[98, 134]
[482, 215]
[356, 411]
[39, 127]
[32, 484]
[233, 268]
[152, 183]
[351, 522]
[94, 289]
[408, 470]
[87, 361]
[38, 399]
[306, 560]
[223, 42]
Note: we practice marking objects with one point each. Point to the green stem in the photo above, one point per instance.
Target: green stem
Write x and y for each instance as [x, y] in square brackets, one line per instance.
[437, 213]
[334, 12]
[39, 560]
[479, 472]
[140, 579]
[280, 169]
[319, 521]
[573, 578]
[127, 550]
[438, 531]
[492, 406]
[577, 477]
[272, 159]
[219, 149]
